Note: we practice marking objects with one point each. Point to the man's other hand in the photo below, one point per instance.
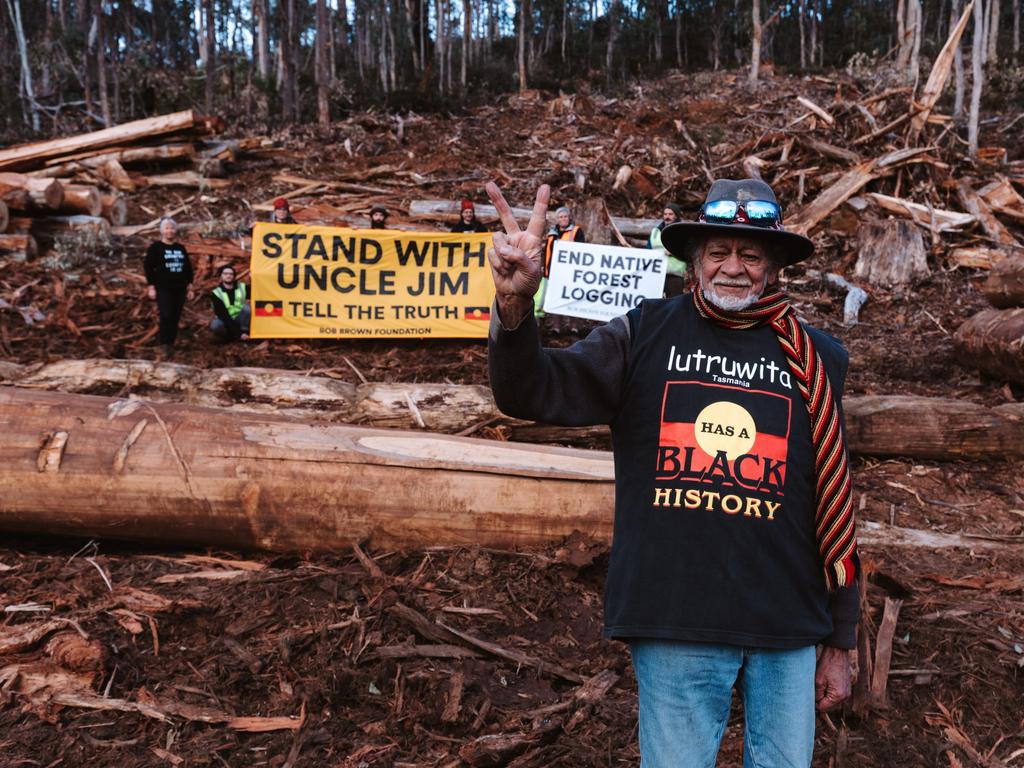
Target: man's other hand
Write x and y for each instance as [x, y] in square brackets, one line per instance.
[517, 255]
[832, 678]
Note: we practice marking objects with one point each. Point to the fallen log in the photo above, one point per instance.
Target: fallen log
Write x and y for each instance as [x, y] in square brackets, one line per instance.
[217, 478]
[81, 199]
[977, 206]
[993, 342]
[931, 218]
[891, 425]
[131, 154]
[448, 211]
[18, 247]
[189, 179]
[1004, 286]
[28, 156]
[114, 209]
[22, 192]
[977, 258]
[53, 226]
[205, 476]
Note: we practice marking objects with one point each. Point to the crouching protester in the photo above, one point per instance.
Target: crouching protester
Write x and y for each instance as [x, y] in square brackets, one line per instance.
[231, 306]
[734, 558]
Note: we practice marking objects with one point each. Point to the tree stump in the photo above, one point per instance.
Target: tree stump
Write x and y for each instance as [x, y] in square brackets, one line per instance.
[890, 252]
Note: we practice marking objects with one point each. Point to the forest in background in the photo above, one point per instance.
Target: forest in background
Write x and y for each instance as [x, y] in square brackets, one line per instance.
[72, 65]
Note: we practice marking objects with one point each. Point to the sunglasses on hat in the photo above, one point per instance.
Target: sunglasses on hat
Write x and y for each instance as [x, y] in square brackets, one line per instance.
[758, 213]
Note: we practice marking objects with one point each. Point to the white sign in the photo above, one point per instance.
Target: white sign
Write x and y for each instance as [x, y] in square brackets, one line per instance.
[601, 282]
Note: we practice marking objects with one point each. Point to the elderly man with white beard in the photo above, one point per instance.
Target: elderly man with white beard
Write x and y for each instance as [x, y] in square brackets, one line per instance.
[734, 559]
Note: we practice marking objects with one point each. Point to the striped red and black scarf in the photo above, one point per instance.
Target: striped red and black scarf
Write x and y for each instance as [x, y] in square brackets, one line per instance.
[834, 519]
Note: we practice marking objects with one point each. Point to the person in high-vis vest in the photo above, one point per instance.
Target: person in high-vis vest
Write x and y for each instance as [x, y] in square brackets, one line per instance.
[675, 275]
[564, 229]
[231, 306]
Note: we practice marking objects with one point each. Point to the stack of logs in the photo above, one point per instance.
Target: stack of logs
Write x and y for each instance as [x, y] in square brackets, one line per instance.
[77, 183]
[993, 340]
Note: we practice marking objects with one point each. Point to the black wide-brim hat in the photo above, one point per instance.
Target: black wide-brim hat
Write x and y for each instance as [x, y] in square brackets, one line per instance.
[789, 247]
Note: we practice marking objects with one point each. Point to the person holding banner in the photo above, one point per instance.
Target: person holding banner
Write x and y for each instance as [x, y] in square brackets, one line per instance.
[734, 559]
[564, 229]
[675, 279]
[468, 222]
[282, 212]
[168, 277]
[230, 301]
[378, 217]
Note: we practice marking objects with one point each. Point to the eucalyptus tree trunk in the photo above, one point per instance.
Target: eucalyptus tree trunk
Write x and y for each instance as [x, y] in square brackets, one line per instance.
[521, 45]
[210, 57]
[977, 49]
[260, 14]
[467, 35]
[755, 44]
[323, 108]
[802, 16]
[30, 112]
[993, 31]
[613, 36]
[679, 34]
[410, 17]
[958, 66]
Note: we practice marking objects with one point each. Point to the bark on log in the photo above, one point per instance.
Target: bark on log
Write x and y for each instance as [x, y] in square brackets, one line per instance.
[52, 226]
[92, 466]
[218, 478]
[42, 193]
[890, 252]
[876, 425]
[114, 208]
[81, 199]
[28, 156]
[18, 247]
[993, 342]
[1004, 286]
[5, 216]
[448, 210]
[131, 154]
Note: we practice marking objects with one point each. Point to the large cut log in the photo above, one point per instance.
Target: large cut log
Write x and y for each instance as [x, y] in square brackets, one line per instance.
[21, 192]
[130, 155]
[448, 210]
[189, 179]
[93, 466]
[891, 425]
[28, 156]
[79, 198]
[1004, 286]
[76, 463]
[92, 226]
[18, 247]
[114, 208]
[890, 252]
[993, 342]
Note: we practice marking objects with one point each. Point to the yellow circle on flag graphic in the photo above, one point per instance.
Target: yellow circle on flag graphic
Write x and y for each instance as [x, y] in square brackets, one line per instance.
[725, 426]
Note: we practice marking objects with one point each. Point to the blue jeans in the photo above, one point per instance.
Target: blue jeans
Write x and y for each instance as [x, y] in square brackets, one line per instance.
[686, 690]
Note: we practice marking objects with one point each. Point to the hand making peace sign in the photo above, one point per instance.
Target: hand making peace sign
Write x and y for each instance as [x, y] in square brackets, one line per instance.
[517, 256]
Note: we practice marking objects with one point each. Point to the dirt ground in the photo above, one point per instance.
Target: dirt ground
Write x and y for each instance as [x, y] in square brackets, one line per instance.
[331, 642]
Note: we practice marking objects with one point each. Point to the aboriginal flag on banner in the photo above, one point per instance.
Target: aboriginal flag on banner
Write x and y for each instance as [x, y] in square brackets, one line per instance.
[269, 308]
[754, 421]
[476, 313]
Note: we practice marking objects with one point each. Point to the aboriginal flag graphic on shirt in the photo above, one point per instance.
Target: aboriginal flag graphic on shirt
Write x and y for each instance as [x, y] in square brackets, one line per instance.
[731, 436]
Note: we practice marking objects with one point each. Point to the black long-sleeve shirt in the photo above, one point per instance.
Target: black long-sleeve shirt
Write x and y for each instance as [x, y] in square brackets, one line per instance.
[714, 510]
[167, 266]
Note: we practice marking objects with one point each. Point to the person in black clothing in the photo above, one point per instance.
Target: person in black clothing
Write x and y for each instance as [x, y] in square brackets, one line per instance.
[468, 222]
[283, 212]
[378, 217]
[230, 301]
[168, 275]
[733, 560]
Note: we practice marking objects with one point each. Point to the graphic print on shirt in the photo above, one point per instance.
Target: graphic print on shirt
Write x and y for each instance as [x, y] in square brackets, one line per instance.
[722, 448]
[174, 260]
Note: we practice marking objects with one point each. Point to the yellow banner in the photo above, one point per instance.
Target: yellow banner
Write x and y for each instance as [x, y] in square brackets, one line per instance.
[336, 283]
